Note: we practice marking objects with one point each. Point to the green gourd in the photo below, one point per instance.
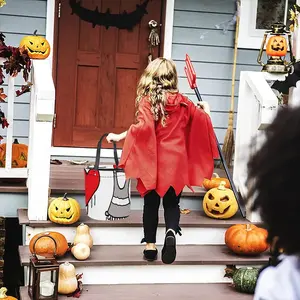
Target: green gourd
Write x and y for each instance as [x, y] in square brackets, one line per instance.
[244, 279]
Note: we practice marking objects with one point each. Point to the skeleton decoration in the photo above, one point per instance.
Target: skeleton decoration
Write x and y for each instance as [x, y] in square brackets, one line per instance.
[153, 38]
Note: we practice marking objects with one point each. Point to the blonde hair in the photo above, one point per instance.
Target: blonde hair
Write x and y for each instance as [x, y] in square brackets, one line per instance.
[159, 77]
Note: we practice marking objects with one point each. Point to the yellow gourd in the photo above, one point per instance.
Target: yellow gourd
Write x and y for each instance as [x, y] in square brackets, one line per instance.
[67, 281]
[83, 235]
[3, 295]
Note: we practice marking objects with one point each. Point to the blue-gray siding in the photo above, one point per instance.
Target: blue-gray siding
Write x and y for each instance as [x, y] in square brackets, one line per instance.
[212, 55]
[19, 18]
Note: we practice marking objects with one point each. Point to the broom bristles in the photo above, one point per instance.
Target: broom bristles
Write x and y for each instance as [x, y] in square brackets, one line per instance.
[228, 146]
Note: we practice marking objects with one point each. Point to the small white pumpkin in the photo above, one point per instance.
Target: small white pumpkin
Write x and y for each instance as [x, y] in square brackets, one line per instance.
[81, 251]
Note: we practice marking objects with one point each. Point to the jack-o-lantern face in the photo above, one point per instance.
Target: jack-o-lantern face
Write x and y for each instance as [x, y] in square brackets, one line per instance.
[64, 210]
[220, 203]
[276, 46]
[37, 46]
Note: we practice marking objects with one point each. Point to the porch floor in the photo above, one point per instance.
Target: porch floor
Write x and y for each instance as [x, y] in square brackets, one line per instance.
[69, 178]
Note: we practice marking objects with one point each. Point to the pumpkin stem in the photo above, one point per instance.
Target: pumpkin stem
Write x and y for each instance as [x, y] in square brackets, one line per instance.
[222, 186]
[215, 175]
[16, 141]
[3, 292]
[65, 197]
[35, 32]
[230, 270]
[248, 227]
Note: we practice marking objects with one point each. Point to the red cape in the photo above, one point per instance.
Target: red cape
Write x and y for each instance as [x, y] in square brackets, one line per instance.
[179, 154]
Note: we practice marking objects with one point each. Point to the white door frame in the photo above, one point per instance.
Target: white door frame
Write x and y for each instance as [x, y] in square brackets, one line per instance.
[168, 38]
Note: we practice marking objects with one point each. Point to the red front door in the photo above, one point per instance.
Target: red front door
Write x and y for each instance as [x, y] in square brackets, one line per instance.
[97, 72]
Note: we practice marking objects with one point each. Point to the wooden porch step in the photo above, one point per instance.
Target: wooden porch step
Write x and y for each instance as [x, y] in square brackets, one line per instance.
[193, 219]
[132, 256]
[215, 291]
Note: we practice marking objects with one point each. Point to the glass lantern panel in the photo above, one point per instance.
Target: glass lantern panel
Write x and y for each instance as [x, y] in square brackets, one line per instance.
[47, 283]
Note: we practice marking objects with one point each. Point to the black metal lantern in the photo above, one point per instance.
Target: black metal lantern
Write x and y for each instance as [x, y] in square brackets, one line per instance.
[276, 49]
[43, 276]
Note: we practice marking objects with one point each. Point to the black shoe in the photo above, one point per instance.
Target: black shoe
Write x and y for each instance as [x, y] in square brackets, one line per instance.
[150, 255]
[169, 249]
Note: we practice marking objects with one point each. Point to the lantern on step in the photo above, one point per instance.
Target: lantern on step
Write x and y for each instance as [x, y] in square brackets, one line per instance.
[276, 49]
[43, 276]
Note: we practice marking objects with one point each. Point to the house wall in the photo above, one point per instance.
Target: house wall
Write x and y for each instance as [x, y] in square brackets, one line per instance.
[212, 56]
[19, 18]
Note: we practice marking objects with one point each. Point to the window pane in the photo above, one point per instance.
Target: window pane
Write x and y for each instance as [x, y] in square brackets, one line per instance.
[270, 12]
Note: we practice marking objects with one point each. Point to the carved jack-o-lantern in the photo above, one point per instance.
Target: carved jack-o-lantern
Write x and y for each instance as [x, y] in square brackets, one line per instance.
[276, 46]
[220, 203]
[37, 46]
[64, 210]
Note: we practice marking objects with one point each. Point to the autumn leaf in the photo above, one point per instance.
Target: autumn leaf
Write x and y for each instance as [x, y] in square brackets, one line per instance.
[2, 95]
[24, 89]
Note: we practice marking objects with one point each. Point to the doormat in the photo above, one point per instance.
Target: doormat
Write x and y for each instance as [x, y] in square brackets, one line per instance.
[122, 21]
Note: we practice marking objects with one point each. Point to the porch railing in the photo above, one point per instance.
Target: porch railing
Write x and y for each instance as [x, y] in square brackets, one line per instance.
[40, 137]
[257, 107]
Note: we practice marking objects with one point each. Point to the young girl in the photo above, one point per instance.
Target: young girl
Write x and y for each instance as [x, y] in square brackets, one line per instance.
[172, 145]
[274, 172]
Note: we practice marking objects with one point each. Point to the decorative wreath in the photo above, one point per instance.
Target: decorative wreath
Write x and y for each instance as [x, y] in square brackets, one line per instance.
[122, 21]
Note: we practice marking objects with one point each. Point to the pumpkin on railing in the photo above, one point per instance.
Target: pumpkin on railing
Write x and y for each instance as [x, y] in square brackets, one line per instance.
[19, 155]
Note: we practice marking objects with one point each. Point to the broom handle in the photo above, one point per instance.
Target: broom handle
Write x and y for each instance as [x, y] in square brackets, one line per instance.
[235, 192]
[234, 63]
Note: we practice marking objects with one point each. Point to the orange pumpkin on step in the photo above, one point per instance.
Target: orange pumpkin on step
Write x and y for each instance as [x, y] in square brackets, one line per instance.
[214, 182]
[19, 155]
[246, 239]
[43, 244]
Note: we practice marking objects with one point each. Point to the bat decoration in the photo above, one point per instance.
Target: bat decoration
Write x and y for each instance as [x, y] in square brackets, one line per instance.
[122, 21]
[291, 80]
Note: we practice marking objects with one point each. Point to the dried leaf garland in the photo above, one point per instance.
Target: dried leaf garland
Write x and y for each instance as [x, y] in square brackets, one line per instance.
[2, 95]
[16, 60]
[24, 89]
[2, 3]
[3, 120]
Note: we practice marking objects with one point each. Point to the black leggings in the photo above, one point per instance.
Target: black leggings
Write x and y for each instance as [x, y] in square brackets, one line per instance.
[150, 214]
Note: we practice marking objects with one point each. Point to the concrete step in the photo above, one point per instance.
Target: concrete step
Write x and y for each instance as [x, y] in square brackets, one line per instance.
[158, 291]
[125, 265]
[197, 229]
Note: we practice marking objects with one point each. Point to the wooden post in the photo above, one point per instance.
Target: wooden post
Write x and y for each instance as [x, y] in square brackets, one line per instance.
[40, 138]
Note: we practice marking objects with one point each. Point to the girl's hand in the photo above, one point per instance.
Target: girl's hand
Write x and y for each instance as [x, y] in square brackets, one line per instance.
[112, 137]
[204, 105]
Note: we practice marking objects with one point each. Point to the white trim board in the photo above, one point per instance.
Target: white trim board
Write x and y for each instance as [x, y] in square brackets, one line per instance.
[167, 46]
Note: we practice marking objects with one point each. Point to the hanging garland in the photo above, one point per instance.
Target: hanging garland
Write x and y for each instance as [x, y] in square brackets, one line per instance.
[122, 21]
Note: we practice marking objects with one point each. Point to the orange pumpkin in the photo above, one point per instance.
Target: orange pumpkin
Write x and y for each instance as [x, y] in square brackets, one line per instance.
[276, 46]
[246, 239]
[19, 155]
[45, 246]
[214, 182]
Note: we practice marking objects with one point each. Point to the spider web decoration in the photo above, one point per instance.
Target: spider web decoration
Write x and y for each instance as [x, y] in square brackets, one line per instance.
[122, 21]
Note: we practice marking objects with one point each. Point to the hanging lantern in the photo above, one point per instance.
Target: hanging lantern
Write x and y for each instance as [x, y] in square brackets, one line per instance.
[43, 276]
[276, 50]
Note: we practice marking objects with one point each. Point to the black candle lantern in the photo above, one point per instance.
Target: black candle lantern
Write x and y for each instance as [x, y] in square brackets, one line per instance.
[43, 276]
